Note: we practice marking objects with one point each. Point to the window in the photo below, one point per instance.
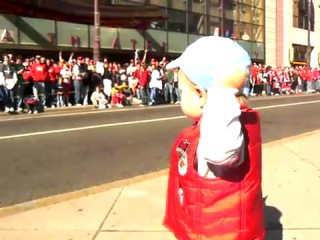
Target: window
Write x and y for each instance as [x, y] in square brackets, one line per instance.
[245, 13]
[214, 8]
[301, 14]
[299, 53]
[130, 2]
[159, 25]
[242, 9]
[197, 23]
[177, 4]
[177, 20]
[245, 31]
[257, 33]
[257, 16]
[257, 3]
[214, 25]
[158, 2]
[198, 6]
[229, 27]
[231, 11]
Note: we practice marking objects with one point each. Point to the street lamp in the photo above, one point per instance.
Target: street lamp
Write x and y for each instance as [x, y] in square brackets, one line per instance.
[309, 33]
[97, 37]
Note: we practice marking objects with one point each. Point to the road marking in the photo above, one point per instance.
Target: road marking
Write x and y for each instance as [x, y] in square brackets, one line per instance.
[134, 122]
[288, 105]
[81, 112]
[90, 127]
[63, 197]
[89, 111]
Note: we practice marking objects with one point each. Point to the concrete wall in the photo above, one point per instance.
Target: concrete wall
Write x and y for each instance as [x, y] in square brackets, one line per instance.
[280, 33]
[270, 32]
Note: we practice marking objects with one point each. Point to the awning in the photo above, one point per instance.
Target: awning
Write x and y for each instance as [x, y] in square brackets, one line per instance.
[122, 16]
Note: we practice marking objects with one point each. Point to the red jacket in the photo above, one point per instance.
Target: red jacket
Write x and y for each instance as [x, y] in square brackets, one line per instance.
[225, 208]
[53, 73]
[142, 77]
[306, 74]
[39, 72]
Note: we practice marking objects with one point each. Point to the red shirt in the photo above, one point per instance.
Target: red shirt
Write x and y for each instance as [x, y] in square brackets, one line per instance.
[39, 72]
[142, 76]
[53, 73]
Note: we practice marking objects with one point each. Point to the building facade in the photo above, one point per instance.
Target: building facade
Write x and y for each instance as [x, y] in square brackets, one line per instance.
[243, 20]
[287, 32]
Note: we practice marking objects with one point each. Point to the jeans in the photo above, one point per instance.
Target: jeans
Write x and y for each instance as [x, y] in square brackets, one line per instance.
[317, 85]
[60, 102]
[50, 92]
[154, 95]
[2, 93]
[168, 92]
[20, 89]
[178, 93]
[310, 86]
[9, 100]
[39, 91]
[86, 94]
[78, 91]
[144, 95]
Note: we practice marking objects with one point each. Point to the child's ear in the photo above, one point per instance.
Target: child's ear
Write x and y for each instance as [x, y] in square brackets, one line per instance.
[202, 95]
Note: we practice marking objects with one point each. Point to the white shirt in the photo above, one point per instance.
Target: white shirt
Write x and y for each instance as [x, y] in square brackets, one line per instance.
[221, 138]
[65, 74]
[155, 80]
[98, 96]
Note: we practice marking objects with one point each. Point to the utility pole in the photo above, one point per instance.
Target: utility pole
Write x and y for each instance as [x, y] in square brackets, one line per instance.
[309, 33]
[222, 18]
[97, 35]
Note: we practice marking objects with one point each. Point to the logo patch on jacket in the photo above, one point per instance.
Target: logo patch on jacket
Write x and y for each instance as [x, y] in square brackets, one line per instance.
[183, 157]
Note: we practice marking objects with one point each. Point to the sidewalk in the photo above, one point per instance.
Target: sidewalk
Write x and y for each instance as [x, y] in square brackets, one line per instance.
[291, 181]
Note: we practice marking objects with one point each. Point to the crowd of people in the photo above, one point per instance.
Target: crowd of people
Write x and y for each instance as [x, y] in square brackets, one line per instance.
[34, 84]
[283, 80]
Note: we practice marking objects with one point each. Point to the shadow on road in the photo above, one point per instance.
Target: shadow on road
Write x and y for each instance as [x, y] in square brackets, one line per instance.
[272, 223]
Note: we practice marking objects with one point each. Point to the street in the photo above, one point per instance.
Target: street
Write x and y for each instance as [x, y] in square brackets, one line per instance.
[59, 152]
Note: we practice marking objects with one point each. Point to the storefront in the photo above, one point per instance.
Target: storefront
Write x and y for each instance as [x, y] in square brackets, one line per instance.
[242, 20]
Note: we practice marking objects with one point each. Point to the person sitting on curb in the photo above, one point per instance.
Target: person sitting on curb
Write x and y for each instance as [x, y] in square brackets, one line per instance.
[32, 104]
[98, 99]
[118, 97]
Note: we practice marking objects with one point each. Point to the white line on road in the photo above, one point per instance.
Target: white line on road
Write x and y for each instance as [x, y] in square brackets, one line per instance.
[135, 122]
[90, 127]
[87, 111]
[287, 105]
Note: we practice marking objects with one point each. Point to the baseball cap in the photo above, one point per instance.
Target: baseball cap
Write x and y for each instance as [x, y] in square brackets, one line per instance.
[211, 58]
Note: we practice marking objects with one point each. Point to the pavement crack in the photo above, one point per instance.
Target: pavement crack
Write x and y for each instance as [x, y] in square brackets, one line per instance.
[300, 157]
[107, 215]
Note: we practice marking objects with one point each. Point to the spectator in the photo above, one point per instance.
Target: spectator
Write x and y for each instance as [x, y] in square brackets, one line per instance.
[98, 99]
[39, 73]
[60, 93]
[32, 103]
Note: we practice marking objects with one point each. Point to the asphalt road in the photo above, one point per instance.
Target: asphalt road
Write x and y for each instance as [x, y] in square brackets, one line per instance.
[37, 162]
